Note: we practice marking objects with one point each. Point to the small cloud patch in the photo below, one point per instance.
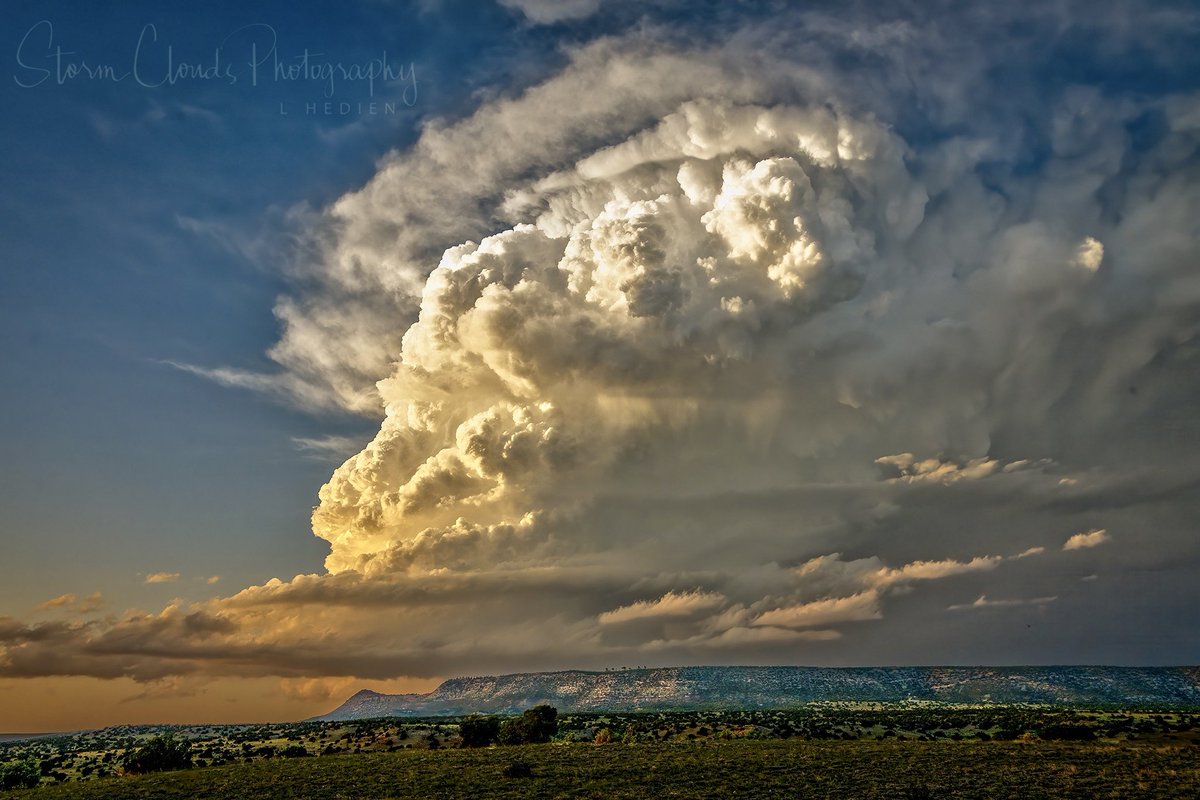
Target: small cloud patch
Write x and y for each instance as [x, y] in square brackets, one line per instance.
[1082, 541]
[984, 602]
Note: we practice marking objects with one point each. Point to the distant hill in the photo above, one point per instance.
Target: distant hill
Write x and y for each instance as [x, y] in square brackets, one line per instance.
[20, 737]
[687, 688]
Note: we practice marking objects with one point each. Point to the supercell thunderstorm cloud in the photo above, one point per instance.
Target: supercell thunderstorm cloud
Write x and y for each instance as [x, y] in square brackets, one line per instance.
[772, 342]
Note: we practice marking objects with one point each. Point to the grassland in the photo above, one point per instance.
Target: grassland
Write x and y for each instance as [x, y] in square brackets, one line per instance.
[815, 751]
[709, 769]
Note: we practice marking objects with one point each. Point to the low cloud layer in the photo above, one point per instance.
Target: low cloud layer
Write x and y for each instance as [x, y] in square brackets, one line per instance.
[786, 347]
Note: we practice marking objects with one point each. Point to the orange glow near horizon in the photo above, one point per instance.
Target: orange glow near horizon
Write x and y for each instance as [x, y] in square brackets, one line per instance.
[40, 705]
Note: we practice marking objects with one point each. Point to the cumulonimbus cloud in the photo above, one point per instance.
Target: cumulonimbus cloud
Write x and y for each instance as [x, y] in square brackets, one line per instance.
[715, 325]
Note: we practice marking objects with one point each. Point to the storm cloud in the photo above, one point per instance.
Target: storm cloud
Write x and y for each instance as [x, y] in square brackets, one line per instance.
[787, 344]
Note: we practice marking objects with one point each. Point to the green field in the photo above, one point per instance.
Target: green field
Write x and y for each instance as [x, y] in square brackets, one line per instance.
[717, 769]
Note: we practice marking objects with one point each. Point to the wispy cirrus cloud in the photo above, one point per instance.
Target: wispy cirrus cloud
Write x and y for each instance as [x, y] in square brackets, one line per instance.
[328, 447]
[983, 601]
[70, 602]
[58, 602]
[551, 11]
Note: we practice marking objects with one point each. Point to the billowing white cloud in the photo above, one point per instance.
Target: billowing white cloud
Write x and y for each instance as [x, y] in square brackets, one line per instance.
[661, 304]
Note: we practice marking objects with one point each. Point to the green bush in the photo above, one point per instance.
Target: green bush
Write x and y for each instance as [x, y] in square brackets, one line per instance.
[479, 731]
[23, 774]
[535, 726]
[159, 754]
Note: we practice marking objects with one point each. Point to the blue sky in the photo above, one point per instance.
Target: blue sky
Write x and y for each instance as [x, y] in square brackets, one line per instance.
[911, 304]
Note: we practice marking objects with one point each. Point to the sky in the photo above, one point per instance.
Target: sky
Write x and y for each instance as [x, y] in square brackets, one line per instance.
[370, 344]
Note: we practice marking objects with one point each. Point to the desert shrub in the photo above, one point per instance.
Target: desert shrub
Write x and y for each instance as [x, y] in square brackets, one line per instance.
[295, 751]
[479, 731]
[1069, 733]
[534, 726]
[603, 736]
[22, 774]
[159, 754]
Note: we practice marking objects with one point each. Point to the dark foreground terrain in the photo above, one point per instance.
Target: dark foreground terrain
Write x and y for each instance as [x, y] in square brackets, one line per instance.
[711, 769]
[837, 750]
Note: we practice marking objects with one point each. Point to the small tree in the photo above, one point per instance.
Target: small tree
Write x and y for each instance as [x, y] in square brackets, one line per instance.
[512, 731]
[543, 722]
[479, 731]
[535, 726]
[23, 774]
[159, 754]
